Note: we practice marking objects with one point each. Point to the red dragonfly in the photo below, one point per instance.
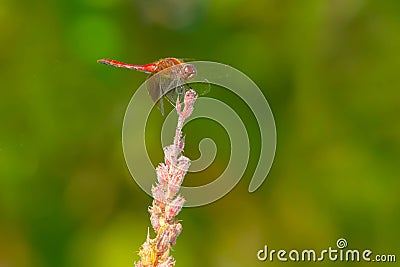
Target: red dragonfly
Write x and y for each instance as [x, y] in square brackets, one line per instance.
[168, 84]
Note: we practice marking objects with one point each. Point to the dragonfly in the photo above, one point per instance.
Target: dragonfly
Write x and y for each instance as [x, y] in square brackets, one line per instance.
[167, 77]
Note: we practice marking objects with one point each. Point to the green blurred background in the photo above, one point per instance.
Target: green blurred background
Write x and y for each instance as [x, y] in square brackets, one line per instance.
[329, 69]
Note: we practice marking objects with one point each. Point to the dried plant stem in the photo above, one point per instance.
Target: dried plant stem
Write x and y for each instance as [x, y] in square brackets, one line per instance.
[167, 202]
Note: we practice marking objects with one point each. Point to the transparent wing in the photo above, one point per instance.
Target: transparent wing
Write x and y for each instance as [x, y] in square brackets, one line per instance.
[165, 84]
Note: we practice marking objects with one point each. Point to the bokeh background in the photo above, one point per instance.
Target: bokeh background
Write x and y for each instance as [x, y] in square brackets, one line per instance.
[329, 69]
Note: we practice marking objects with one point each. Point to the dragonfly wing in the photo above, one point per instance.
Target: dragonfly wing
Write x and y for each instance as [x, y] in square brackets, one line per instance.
[165, 84]
[174, 86]
[161, 100]
[201, 88]
[154, 88]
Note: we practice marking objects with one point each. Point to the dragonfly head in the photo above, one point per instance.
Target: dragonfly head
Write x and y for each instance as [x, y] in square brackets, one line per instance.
[188, 71]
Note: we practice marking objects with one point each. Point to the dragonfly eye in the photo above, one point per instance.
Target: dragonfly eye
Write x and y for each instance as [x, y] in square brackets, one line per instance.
[189, 72]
